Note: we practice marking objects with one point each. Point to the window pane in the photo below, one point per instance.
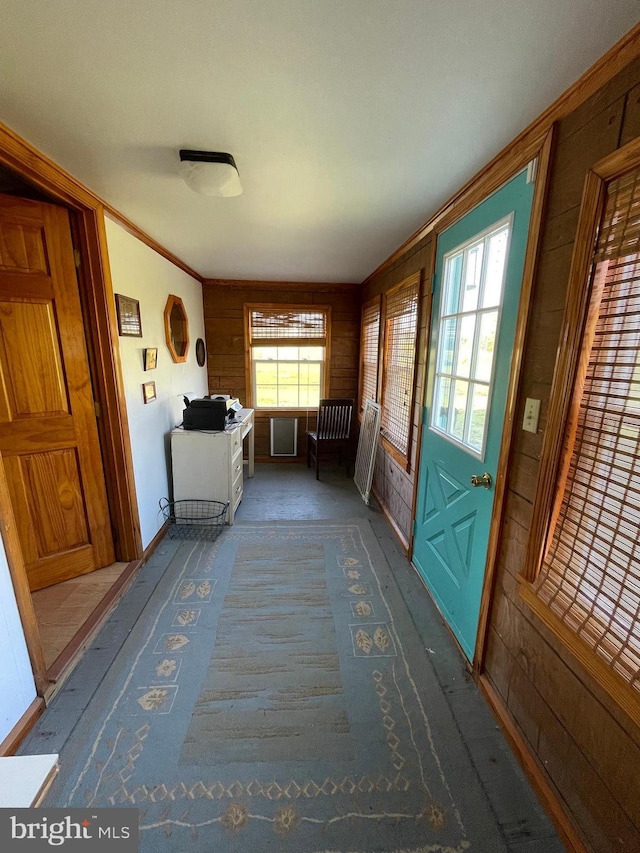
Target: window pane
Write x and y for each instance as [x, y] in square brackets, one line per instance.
[310, 373]
[486, 345]
[311, 353]
[441, 403]
[479, 401]
[266, 395]
[447, 345]
[452, 278]
[472, 277]
[495, 268]
[309, 397]
[265, 352]
[288, 374]
[266, 373]
[465, 345]
[288, 353]
[459, 408]
[288, 396]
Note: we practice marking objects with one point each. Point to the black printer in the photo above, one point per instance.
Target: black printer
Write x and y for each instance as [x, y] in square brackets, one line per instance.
[210, 413]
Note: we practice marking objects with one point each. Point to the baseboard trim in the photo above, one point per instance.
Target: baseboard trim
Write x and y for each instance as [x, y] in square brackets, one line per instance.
[545, 790]
[22, 728]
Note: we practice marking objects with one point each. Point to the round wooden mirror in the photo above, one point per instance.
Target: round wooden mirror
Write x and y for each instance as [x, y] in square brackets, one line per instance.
[176, 328]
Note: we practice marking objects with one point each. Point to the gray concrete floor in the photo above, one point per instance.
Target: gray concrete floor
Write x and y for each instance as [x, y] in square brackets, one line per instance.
[290, 491]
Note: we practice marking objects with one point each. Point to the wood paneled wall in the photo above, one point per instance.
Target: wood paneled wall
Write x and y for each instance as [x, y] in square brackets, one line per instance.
[224, 328]
[582, 744]
[584, 747]
[587, 746]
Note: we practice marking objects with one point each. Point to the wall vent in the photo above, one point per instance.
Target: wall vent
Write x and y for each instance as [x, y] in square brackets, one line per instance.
[284, 436]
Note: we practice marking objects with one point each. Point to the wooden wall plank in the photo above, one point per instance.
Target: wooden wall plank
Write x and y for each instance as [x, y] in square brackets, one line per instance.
[577, 153]
[631, 124]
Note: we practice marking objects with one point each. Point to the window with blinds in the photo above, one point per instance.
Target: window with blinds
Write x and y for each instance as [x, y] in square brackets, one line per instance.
[288, 347]
[400, 345]
[369, 346]
[590, 571]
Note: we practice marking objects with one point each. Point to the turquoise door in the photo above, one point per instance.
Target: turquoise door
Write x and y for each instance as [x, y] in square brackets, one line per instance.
[476, 295]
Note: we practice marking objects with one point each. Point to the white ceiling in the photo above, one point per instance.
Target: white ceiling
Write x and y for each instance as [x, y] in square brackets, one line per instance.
[351, 121]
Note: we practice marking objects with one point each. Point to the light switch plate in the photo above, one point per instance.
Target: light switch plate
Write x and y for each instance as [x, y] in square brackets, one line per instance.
[531, 415]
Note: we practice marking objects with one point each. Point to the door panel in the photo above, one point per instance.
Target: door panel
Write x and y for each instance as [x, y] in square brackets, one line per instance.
[479, 265]
[36, 388]
[48, 434]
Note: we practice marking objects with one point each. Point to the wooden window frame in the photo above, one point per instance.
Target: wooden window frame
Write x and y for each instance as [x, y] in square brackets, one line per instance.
[375, 303]
[414, 280]
[248, 343]
[568, 363]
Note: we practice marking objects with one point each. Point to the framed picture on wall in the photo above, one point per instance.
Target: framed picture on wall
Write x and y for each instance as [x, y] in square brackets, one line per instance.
[128, 311]
[149, 391]
[150, 358]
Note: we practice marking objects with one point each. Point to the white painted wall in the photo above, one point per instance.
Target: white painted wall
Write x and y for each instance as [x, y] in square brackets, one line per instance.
[139, 272]
[17, 688]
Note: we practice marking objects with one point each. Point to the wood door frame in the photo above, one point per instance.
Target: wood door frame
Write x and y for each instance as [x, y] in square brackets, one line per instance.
[87, 214]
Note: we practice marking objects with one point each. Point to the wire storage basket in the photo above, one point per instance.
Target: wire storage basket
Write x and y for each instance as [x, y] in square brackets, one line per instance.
[194, 519]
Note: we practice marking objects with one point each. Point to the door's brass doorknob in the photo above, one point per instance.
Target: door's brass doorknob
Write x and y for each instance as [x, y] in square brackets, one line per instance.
[485, 480]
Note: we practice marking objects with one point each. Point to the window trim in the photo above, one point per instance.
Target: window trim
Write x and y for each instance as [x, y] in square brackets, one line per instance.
[403, 458]
[374, 303]
[570, 357]
[249, 377]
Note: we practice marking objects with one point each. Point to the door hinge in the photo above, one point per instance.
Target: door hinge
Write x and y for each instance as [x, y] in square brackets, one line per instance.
[76, 258]
[97, 408]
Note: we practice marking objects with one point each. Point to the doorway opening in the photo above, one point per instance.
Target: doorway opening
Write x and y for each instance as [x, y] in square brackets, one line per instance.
[58, 620]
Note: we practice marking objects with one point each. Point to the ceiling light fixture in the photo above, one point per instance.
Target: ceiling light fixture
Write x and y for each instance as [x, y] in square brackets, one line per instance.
[212, 173]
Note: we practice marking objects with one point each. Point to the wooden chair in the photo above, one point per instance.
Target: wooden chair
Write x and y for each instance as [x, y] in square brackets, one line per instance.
[333, 433]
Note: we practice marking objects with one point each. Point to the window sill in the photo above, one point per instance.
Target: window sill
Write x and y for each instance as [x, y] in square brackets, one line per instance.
[397, 455]
[284, 411]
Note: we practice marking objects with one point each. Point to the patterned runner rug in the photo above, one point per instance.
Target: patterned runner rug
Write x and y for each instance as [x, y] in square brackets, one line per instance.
[274, 696]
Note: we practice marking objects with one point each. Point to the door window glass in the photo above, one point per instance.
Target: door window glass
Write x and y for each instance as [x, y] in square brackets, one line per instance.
[473, 276]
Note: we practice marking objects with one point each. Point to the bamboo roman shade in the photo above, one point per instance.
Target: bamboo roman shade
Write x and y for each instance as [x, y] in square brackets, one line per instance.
[370, 337]
[288, 324]
[400, 344]
[590, 575]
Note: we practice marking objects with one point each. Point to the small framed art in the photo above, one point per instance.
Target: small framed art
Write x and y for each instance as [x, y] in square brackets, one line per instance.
[128, 311]
[149, 391]
[150, 358]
